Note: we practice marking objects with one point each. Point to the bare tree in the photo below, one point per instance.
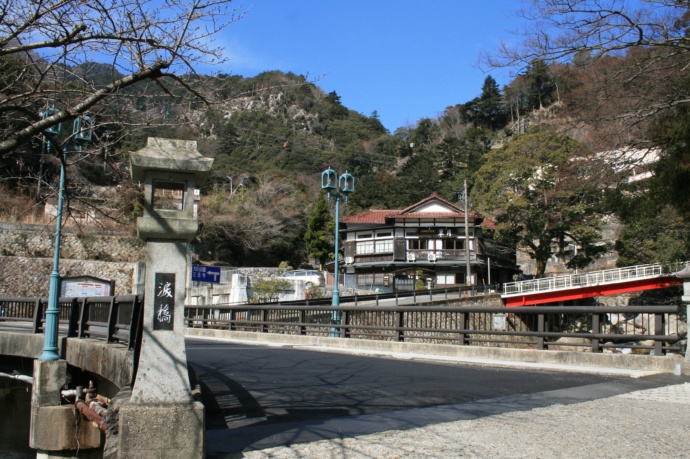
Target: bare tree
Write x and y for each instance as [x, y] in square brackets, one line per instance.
[558, 30]
[632, 58]
[267, 213]
[49, 52]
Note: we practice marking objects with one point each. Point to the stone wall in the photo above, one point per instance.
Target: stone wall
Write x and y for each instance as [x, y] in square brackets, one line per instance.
[23, 276]
[26, 258]
[28, 240]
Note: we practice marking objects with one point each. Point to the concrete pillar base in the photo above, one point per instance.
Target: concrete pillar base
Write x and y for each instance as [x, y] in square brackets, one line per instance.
[161, 430]
[56, 430]
[80, 454]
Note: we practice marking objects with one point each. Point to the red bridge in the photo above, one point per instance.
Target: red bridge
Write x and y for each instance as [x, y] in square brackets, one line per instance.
[598, 283]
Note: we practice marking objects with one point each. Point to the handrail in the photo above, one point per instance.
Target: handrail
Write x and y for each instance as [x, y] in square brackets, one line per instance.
[116, 319]
[421, 296]
[595, 327]
[572, 281]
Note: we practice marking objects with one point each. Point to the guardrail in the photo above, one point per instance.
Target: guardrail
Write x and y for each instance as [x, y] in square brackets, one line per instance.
[400, 297]
[115, 319]
[650, 329]
[609, 276]
[656, 329]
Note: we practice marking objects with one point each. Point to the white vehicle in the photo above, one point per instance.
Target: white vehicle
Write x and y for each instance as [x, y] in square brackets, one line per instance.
[308, 276]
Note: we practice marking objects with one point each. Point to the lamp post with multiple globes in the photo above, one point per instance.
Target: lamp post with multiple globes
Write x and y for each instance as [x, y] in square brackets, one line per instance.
[338, 187]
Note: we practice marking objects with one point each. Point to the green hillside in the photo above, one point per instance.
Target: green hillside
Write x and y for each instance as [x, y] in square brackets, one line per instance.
[548, 159]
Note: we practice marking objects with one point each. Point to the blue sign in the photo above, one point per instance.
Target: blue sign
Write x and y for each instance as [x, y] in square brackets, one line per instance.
[202, 273]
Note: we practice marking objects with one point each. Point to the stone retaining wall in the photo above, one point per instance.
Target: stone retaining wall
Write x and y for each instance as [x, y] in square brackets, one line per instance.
[27, 250]
[28, 240]
[22, 276]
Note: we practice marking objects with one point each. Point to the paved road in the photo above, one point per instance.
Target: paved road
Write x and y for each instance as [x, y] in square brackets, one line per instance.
[262, 397]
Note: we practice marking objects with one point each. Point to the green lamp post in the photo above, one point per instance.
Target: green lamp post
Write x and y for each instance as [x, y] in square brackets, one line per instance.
[82, 132]
[338, 187]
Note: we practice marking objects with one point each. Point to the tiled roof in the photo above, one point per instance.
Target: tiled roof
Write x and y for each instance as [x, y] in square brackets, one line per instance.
[427, 199]
[432, 215]
[378, 217]
[370, 216]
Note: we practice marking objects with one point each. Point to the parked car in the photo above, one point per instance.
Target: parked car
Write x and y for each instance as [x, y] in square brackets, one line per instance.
[308, 276]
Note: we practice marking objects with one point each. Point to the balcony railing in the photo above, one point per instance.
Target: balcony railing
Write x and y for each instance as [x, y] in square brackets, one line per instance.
[436, 255]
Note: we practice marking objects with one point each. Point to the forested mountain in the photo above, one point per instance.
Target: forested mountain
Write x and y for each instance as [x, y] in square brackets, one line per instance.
[544, 157]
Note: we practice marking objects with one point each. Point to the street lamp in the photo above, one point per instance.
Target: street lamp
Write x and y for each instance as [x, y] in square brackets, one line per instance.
[82, 132]
[338, 187]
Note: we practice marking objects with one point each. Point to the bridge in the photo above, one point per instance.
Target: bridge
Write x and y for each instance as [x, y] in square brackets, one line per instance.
[100, 336]
[552, 290]
[99, 344]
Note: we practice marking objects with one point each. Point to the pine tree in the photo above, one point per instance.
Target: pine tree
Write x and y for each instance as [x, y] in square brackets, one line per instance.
[491, 112]
[319, 230]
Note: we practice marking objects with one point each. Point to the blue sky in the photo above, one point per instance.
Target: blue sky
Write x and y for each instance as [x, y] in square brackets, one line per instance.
[405, 59]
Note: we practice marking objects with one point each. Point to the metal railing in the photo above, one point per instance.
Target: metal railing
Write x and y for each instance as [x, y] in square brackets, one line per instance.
[650, 329]
[400, 297]
[654, 329]
[115, 319]
[609, 276]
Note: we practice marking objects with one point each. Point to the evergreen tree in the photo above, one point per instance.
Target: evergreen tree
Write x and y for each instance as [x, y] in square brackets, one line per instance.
[320, 229]
[540, 198]
[541, 85]
[491, 113]
[416, 181]
[229, 139]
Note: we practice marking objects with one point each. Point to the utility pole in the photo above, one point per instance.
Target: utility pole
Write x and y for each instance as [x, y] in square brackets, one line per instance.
[468, 275]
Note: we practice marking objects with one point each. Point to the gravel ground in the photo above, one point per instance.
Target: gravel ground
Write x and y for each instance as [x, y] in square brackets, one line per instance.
[644, 424]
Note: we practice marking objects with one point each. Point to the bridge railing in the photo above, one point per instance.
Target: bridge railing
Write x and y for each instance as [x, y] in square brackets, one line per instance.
[400, 297]
[582, 280]
[643, 329]
[115, 319]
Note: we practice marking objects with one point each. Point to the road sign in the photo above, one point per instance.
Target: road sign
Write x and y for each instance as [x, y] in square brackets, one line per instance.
[202, 273]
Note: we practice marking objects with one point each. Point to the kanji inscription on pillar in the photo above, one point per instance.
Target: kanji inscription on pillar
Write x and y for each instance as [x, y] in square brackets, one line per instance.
[164, 301]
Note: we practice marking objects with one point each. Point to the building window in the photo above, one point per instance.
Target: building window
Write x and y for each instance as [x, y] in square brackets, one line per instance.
[365, 248]
[370, 280]
[370, 247]
[383, 235]
[364, 236]
[445, 279]
[417, 244]
[454, 244]
[384, 246]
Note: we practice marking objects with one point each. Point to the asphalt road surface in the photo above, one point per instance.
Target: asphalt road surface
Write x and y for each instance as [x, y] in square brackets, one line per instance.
[258, 397]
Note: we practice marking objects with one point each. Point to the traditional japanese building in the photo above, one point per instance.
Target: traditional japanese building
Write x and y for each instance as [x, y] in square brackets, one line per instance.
[431, 240]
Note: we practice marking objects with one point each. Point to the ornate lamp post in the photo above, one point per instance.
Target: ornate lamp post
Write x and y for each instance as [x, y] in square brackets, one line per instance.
[82, 132]
[338, 187]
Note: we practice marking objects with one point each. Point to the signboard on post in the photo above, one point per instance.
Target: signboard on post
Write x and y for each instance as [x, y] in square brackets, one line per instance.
[84, 286]
[201, 273]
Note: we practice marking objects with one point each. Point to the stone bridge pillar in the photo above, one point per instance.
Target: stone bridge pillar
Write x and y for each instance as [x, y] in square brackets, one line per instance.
[161, 419]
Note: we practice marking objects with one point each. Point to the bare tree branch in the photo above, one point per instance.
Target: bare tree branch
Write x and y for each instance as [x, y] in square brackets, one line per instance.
[44, 45]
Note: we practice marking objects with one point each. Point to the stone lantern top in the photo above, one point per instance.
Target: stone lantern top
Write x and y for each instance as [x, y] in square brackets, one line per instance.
[170, 155]
[170, 171]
